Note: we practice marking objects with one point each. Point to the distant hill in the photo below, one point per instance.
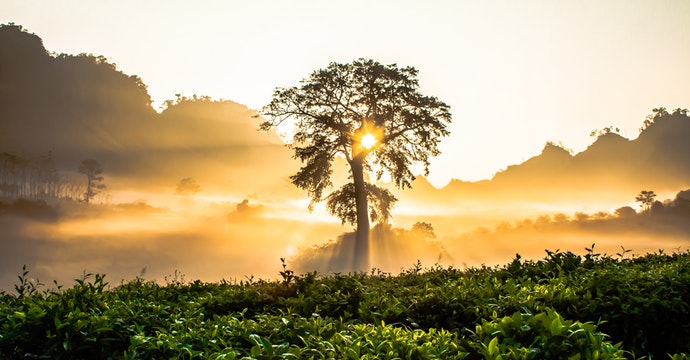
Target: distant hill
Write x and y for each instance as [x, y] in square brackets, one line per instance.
[658, 158]
[612, 169]
[82, 106]
[65, 102]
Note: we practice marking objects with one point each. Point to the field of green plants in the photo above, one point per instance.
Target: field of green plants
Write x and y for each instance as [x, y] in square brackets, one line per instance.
[565, 306]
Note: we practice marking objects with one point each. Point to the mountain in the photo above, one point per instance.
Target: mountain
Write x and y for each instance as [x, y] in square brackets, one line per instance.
[65, 102]
[611, 170]
[82, 106]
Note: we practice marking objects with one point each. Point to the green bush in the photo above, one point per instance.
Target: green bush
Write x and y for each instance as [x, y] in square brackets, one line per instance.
[564, 306]
[545, 335]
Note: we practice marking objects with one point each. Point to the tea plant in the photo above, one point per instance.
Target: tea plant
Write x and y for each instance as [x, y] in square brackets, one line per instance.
[564, 306]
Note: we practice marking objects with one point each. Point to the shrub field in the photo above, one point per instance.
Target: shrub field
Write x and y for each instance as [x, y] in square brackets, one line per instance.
[565, 306]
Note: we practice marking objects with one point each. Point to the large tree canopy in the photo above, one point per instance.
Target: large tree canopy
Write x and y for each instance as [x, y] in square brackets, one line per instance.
[353, 111]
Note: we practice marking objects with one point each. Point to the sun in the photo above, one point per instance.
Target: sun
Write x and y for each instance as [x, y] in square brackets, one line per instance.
[368, 141]
[290, 250]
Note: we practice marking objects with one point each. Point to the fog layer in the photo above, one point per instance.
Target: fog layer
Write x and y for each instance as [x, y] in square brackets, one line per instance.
[195, 190]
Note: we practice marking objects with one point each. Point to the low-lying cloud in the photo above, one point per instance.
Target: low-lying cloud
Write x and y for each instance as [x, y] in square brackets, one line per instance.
[234, 240]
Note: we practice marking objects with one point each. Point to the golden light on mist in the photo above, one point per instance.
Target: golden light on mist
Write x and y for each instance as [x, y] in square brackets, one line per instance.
[291, 250]
[368, 141]
[218, 201]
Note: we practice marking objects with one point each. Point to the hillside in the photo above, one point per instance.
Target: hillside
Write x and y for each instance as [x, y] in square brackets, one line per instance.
[81, 106]
[612, 169]
[64, 102]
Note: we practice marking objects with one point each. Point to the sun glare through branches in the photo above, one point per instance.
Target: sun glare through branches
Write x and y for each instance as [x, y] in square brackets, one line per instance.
[368, 141]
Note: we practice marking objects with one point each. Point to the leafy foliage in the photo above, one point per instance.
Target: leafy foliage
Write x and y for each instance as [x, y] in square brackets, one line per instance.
[334, 108]
[564, 306]
[187, 186]
[646, 198]
[341, 203]
[94, 180]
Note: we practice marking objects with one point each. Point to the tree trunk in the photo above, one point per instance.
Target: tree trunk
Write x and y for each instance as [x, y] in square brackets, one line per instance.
[361, 253]
[87, 196]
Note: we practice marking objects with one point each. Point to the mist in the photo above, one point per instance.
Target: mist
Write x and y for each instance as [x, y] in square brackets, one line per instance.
[191, 238]
[195, 190]
[200, 240]
[617, 234]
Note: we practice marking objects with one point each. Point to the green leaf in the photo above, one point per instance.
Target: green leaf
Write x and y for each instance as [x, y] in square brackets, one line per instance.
[493, 346]
[556, 326]
[517, 318]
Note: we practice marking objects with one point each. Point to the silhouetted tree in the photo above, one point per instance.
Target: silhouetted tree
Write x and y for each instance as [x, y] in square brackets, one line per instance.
[29, 178]
[45, 180]
[605, 131]
[12, 170]
[423, 230]
[352, 111]
[682, 201]
[187, 186]
[625, 212]
[657, 207]
[92, 169]
[646, 199]
[661, 113]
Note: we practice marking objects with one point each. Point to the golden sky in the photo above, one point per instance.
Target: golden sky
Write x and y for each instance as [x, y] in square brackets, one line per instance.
[516, 73]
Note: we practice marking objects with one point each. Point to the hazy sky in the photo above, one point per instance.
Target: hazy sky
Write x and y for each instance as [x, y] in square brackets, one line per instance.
[516, 73]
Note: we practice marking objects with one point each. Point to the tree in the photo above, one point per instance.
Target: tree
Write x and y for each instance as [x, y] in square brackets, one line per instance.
[625, 212]
[605, 131]
[646, 199]
[423, 230]
[187, 186]
[92, 169]
[352, 111]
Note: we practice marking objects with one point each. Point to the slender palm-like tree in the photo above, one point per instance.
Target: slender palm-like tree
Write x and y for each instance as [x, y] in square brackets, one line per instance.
[94, 180]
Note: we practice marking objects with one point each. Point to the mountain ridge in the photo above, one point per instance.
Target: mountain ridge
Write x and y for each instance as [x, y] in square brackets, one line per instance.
[612, 169]
[82, 106]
